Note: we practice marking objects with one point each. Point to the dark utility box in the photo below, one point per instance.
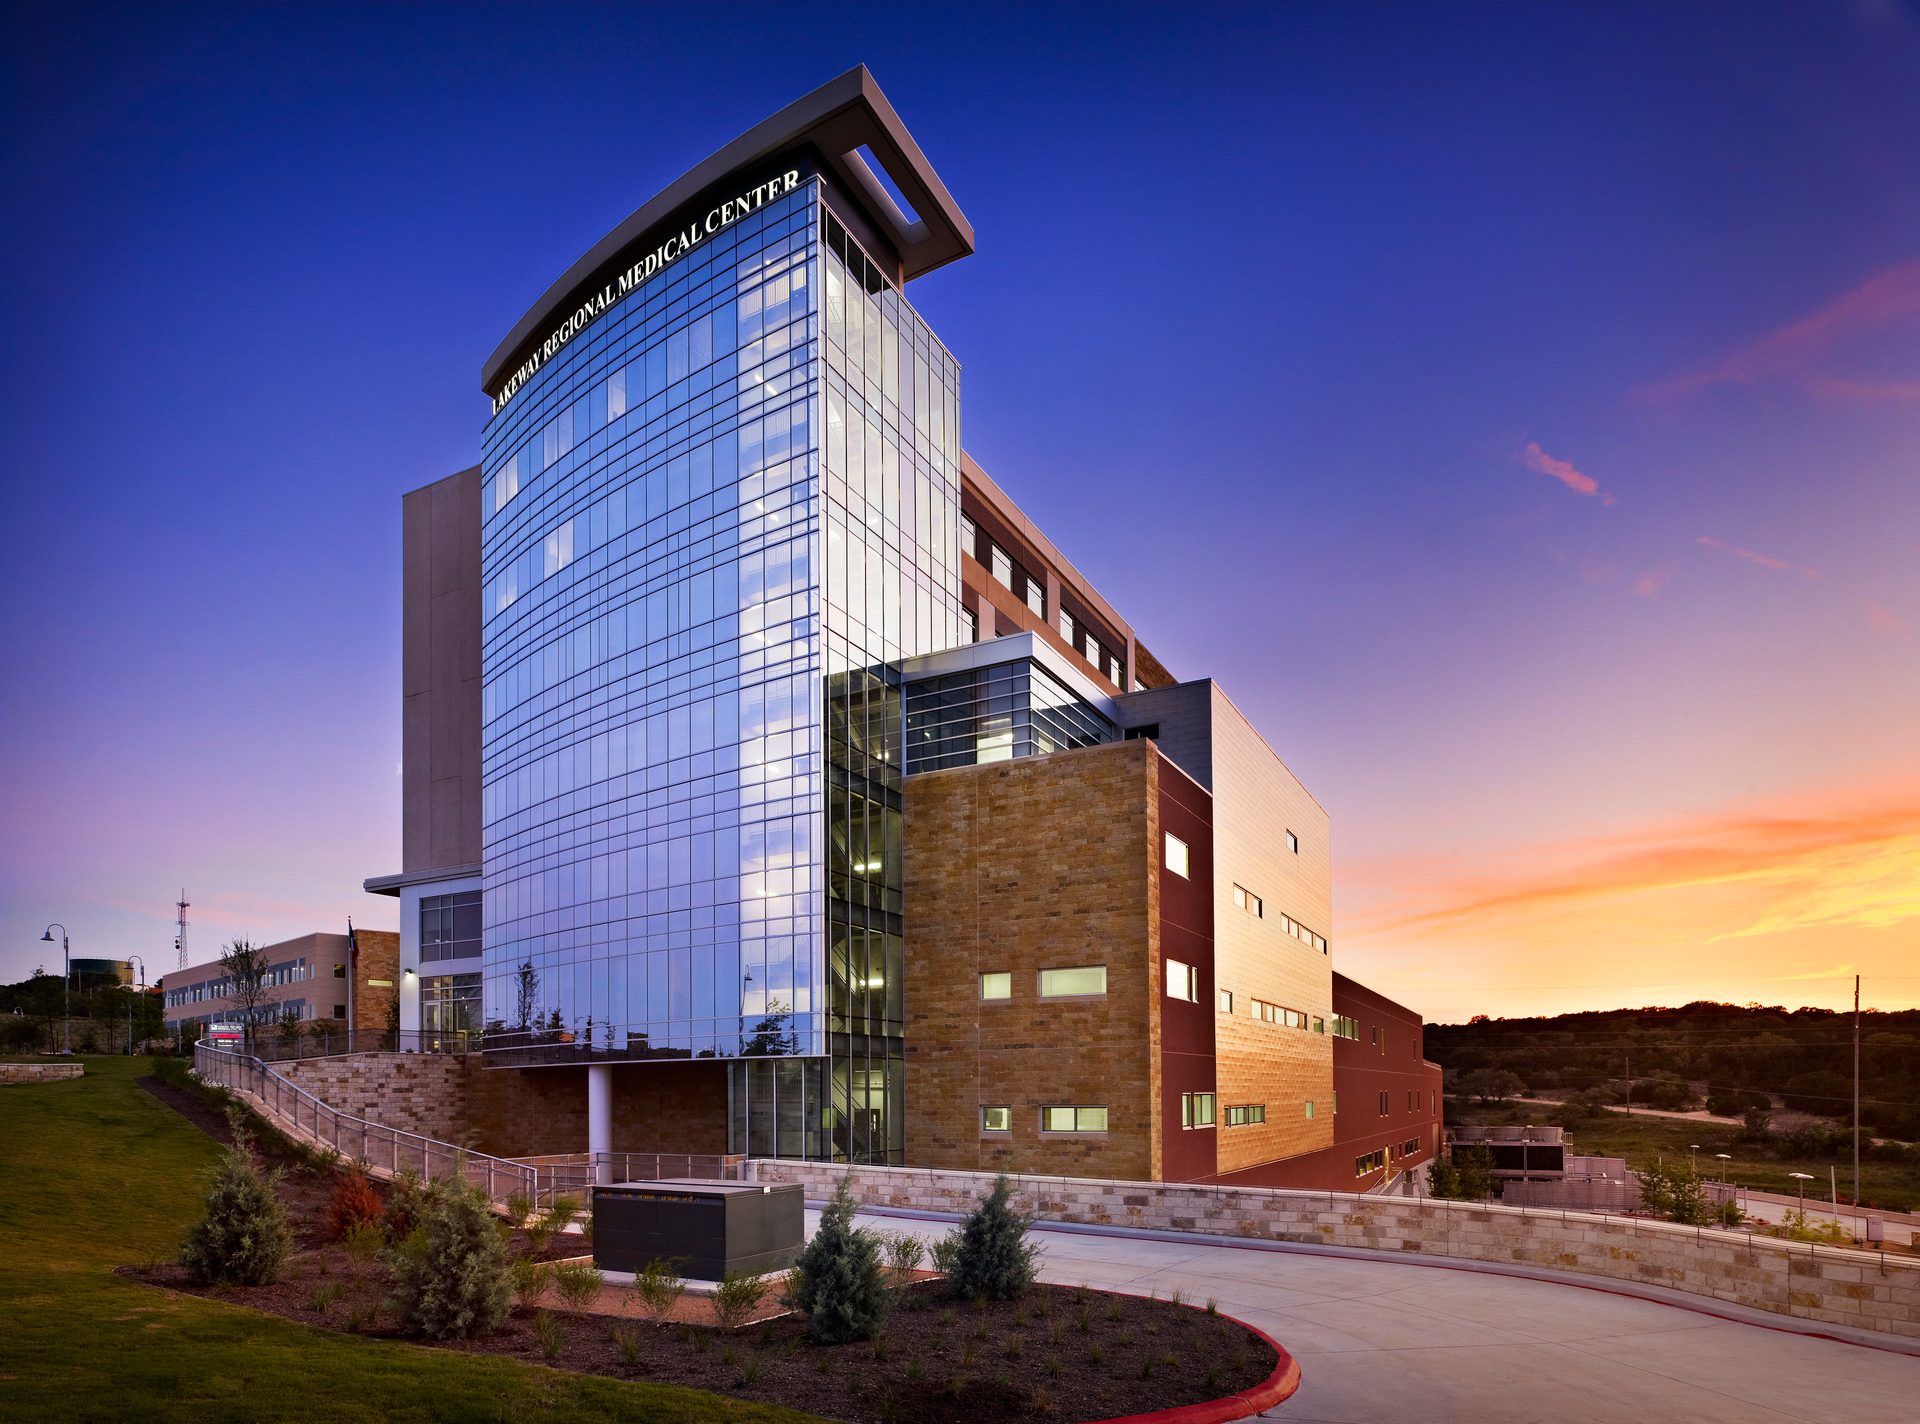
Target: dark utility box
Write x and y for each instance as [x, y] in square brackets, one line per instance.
[703, 1229]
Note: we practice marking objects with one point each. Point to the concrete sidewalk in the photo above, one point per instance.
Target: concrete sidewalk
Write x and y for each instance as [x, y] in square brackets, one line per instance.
[1385, 1339]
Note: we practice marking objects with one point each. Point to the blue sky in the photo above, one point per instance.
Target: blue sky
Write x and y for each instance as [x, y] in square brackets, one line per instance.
[1515, 408]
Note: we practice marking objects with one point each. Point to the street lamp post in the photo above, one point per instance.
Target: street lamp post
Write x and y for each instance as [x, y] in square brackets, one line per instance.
[66, 984]
[1725, 1158]
[1800, 1180]
[135, 959]
[1692, 1164]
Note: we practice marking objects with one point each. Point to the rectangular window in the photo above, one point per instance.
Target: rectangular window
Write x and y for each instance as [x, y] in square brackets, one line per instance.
[1309, 1107]
[1372, 1162]
[1066, 626]
[996, 1119]
[1386, 1103]
[1073, 1119]
[1183, 981]
[1093, 650]
[1319, 1024]
[1248, 1114]
[1037, 598]
[1245, 899]
[1002, 567]
[1196, 1110]
[969, 626]
[1176, 855]
[969, 539]
[1293, 843]
[1080, 982]
[1224, 998]
[996, 986]
[339, 1011]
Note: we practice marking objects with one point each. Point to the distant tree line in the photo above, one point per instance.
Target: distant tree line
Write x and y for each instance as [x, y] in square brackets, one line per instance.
[1733, 1059]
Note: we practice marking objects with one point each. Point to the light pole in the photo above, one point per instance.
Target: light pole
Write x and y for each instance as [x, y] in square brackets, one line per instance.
[1800, 1180]
[135, 959]
[1692, 1165]
[1724, 1159]
[66, 984]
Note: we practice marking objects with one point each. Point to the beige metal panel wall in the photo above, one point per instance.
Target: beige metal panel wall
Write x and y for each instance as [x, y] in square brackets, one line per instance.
[1256, 801]
[440, 659]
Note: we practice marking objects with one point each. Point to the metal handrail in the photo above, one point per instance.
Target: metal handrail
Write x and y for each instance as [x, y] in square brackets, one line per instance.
[354, 1137]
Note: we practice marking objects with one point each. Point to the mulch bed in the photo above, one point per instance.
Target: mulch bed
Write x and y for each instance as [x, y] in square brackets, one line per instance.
[1059, 1354]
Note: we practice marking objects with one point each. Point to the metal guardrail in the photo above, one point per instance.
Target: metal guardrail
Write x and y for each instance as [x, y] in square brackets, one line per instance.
[574, 1173]
[271, 1046]
[385, 1149]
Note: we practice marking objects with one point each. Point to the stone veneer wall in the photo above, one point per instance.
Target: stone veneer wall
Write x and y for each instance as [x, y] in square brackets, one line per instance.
[513, 1112]
[1853, 1288]
[423, 1093]
[39, 1072]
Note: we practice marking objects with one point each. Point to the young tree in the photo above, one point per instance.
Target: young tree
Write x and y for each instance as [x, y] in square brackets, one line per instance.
[837, 1282]
[243, 1237]
[252, 996]
[994, 1258]
[452, 1278]
[1475, 1168]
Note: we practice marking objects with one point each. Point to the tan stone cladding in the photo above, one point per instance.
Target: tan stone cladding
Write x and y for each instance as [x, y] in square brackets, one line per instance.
[522, 1112]
[1854, 1288]
[1015, 867]
[379, 960]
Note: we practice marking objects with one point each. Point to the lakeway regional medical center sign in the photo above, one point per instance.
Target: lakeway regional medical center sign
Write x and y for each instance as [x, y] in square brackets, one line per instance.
[663, 256]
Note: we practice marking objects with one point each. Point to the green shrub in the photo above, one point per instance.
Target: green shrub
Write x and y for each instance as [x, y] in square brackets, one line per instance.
[561, 1214]
[837, 1282]
[243, 1238]
[736, 1297]
[944, 1252]
[658, 1288]
[904, 1255]
[1675, 1194]
[578, 1284]
[994, 1260]
[519, 1208]
[404, 1197]
[363, 1242]
[530, 1279]
[451, 1276]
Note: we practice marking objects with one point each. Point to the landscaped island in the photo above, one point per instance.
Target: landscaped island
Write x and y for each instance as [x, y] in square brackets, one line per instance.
[865, 1328]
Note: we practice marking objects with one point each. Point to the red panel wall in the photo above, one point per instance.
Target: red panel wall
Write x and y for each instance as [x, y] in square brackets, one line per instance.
[1186, 934]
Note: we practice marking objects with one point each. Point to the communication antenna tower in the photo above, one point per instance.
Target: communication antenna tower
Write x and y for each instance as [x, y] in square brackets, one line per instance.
[180, 943]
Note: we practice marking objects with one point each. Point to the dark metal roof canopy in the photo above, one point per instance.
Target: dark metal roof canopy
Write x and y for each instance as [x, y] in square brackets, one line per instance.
[835, 121]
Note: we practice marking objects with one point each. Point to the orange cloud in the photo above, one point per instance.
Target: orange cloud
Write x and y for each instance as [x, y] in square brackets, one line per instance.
[1707, 541]
[1538, 460]
[1841, 863]
[1890, 298]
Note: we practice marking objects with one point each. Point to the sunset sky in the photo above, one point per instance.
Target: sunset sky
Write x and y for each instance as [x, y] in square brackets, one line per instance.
[1522, 403]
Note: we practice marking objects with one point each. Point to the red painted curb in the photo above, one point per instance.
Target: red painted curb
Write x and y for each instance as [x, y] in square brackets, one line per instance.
[1274, 1389]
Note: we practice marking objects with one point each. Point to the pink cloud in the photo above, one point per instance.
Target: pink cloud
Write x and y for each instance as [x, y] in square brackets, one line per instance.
[1886, 623]
[1765, 561]
[1538, 460]
[1649, 584]
[1890, 298]
[1866, 392]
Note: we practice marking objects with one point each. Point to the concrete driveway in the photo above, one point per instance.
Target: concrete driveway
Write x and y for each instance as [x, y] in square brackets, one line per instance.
[1385, 1339]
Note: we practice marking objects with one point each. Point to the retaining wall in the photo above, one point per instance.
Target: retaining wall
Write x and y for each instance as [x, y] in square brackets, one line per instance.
[1862, 1289]
[421, 1093]
[39, 1072]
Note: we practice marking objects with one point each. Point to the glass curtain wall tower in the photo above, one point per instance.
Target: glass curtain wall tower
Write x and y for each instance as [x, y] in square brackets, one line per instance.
[715, 518]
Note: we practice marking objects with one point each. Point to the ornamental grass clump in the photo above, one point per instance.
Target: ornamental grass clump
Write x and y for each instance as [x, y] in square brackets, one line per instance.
[658, 1288]
[994, 1259]
[452, 1278]
[243, 1238]
[838, 1282]
[578, 1284]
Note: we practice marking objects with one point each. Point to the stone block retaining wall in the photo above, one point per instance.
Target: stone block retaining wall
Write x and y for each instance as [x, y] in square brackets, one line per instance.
[421, 1093]
[1854, 1288]
[39, 1072]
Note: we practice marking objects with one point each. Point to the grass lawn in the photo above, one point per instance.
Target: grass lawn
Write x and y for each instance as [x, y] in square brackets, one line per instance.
[1893, 1186]
[94, 1173]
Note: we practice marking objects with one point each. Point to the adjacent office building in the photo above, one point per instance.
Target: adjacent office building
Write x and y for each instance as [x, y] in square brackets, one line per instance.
[345, 980]
[768, 772]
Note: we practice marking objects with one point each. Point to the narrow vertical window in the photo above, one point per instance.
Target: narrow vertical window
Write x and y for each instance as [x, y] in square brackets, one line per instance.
[1176, 855]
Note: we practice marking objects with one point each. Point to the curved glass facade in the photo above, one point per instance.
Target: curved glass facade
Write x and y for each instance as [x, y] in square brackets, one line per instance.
[711, 523]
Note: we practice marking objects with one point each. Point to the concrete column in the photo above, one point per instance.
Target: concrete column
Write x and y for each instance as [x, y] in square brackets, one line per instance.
[600, 1114]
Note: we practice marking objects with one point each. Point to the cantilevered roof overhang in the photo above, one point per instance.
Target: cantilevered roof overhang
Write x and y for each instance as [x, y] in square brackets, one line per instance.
[834, 123]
